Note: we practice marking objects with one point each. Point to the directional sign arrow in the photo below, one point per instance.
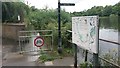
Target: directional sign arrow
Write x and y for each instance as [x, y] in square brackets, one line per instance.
[67, 4]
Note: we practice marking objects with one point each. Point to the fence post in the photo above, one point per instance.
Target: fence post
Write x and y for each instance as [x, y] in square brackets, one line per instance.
[75, 57]
[96, 55]
[118, 42]
[95, 60]
[86, 53]
[119, 55]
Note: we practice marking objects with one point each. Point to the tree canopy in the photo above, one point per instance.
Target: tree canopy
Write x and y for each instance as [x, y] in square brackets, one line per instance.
[11, 10]
[100, 10]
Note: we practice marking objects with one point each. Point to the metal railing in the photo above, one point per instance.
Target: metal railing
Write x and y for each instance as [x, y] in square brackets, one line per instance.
[115, 65]
[26, 36]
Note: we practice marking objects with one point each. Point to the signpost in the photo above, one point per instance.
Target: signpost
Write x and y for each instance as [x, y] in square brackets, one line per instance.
[38, 41]
[59, 24]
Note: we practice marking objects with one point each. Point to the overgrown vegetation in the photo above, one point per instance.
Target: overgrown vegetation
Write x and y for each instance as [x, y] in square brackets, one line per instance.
[42, 19]
[50, 56]
[111, 56]
[11, 10]
[86, 65]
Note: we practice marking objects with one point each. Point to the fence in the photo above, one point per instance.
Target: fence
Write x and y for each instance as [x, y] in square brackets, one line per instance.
[26, 40]
[110, 63]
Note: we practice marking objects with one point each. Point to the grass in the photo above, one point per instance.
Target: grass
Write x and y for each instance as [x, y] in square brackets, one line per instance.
[86, 65]
[51, 56]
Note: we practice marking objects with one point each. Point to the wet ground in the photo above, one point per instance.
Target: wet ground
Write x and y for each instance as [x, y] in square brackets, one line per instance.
[11, 56]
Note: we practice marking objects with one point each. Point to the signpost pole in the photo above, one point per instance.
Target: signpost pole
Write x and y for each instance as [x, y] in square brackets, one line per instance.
[59, 30]
[59, 24]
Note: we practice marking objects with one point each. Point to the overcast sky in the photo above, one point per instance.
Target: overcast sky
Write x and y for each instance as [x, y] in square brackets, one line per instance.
[80, 5]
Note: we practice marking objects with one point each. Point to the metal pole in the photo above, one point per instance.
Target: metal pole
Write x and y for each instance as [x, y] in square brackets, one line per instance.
[59, 29]
[95, 61]
[75, 57]
[96, 55]
[119, 42]
[86, 53]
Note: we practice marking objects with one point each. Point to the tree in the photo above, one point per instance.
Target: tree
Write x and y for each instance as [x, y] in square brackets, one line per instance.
[100, 10]
[107, 11]
[11, 10]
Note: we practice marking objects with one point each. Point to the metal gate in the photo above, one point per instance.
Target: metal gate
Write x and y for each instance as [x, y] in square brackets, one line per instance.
[26, 40]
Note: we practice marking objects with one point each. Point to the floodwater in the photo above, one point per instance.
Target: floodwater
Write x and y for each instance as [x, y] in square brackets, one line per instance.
[108, 31]
[11, 52]
[111, 35]
[104, 47]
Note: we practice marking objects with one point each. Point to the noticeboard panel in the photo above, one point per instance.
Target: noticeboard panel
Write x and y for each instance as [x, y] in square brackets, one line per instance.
[85, 32]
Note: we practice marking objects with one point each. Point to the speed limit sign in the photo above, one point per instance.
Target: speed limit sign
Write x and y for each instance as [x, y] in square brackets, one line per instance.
[38, 41]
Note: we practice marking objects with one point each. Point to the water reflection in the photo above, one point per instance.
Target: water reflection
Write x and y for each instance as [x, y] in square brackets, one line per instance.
[111, 22]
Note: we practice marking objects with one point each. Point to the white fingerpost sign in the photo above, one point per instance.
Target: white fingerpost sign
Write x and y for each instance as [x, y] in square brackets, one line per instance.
[85, 32]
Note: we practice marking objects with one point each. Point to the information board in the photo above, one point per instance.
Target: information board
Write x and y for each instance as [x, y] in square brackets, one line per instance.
[85, 32]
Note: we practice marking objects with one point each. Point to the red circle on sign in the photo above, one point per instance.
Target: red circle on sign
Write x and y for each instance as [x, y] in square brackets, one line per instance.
[37, 39]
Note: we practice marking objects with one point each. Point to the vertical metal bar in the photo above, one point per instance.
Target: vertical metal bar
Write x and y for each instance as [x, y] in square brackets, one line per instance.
[118, 54]
[86, 53]
[75, 57]
[118, 40]
[52, 40]
[19, 42]
[95, 60]
[96, 55]
[59, 29]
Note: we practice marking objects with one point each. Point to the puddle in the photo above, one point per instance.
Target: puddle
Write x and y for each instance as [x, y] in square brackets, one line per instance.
[48, 63]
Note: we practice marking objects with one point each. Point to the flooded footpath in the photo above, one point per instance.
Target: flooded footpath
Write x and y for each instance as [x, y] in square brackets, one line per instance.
[11, 56]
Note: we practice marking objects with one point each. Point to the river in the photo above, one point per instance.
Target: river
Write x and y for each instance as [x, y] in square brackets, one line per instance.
[108, 31]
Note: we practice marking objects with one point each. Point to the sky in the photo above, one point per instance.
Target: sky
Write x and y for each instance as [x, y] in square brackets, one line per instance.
[80, 5]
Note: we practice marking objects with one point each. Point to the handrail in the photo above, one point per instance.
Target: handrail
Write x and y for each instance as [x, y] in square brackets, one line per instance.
[33, 36]
[109, 62]
[36, 31]
[99, 56]
[110, 41]
[102, 39]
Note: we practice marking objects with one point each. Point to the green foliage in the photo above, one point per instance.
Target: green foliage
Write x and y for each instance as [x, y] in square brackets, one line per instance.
[100, 10]
[11, 10]
[49, 56]
[86, 65]
[46, 57]
[47, 19]
[113, 21]
[41, 18]
[110, 56]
